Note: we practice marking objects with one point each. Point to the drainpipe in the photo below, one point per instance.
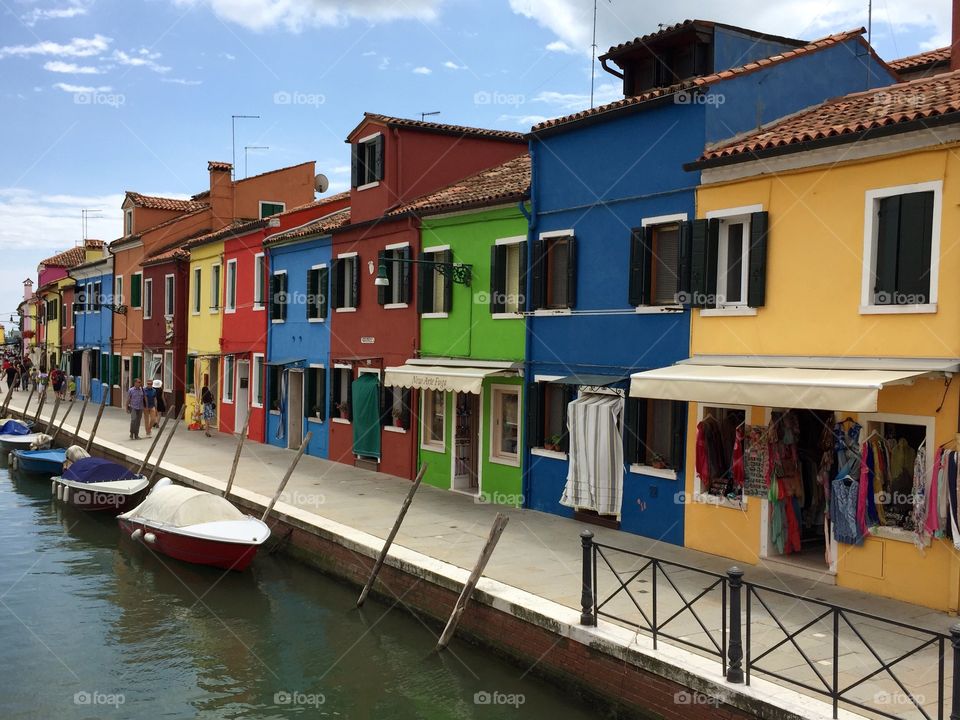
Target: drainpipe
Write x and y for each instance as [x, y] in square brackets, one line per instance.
[528, 331]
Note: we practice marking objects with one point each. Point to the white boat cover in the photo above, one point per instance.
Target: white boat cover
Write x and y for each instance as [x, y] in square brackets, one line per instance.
[179, 506]
[595, 469]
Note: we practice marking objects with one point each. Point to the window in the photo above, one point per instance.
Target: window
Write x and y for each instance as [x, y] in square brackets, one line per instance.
[228, 365]
[215, 288]
[316, 401]
[168, 295]
[147, 298]
[136, 287]
[547, 415]
[892, 443]
[727, 260]
[105, 369]
[508, 277]
[115, 371]
[80, 300]
[278, 296]
[231, 301]
[190, 379]
[197, 277]
[718, 429]
[52, 308]
[398, 292]
[733, 253]
[317, 278]
[903, 236]
[554, 272]
[366, 161]
[340, 392]
[137, 368]
[395, 407]
[654, 433]
[345, 282]
[95, 302]
[434, 289]
[128, 222]
[154, 364]
[271, 208]
[65, 315]
[273, 386]
[168, 371]
[258, 363]
[259, 280]
[655, 262]
[434, 419]
[505, 430]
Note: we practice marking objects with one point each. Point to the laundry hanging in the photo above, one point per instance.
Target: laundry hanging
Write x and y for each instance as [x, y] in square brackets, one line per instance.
[595, 468]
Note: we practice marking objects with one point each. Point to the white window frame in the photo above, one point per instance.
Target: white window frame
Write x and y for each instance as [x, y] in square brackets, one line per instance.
[497, 392]
[513, 240]
[283, 205]
[168, 371]
[230, 304]
[430, 251]
[395, 286]
[133, 275]
[259, 280]
[215, 306]
[118, 290]
[698, 493]
[146, 297]
[169, 295]
[128, 222]
[273, 320]
[650, 222]
[321, 266]
[425, 442]
[362, 141]
[258, 379]
[196, 299]
[227, 391]
[356, 258]
[349, 368]
[871, 227]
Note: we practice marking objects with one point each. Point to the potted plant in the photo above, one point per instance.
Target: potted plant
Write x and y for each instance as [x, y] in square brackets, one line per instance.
[343, 408]
[275, 406]
[397, 418]
[553, 443]
[317, 413]
[657, 461]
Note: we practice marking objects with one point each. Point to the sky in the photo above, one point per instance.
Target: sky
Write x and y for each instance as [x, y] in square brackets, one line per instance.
[102, 96]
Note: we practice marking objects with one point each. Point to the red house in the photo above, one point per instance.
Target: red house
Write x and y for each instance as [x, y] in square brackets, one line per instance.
[393, 161]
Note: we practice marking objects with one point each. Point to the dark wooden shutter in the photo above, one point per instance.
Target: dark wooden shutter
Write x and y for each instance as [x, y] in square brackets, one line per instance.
[447, 257]
[678, 432]
[406, 404]
[382, 290]
[631, 437]
[312, 294]
[757, 275]
[322, 392]
[498, 278]
[569, 394]
[643, 413]
[284, 298]
[274, 290]
[522, 285]
[405, 276]
[534, 429]
[571, 272]
[356, 281]
[424, 286]
[537, 275]
[336, 283]
[712, 249]
[641, 255]
[354, 165]
[915, 241]
[704, 240]
[378, 158]
[323, 277]
[334, 391]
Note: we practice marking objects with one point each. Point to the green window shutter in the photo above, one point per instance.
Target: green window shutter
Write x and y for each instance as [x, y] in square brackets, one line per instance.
[641, 256]
[571, 272]
[498, 278]
[522, 285]
[323, 275]
[534, 429]
[424, 286]
[537, 289]
[447, 257]
[757, 272]
[704, 240]
[336, 283]
[284, 297]
[405, 276]
[678, 420]
[378, 158]
[885, 283]
[137, 367]
[115, 371]
[915, 246]
[382, 290]
[136, 290]
[312, 294]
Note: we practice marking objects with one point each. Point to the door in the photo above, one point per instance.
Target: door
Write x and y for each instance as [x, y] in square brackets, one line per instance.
[466, 443]
[241, 396]
[124, 382]
[294, 408]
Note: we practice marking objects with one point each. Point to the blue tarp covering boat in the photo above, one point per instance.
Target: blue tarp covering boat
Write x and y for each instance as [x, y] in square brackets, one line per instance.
[14, 427]
[42, 462]
[97, 470]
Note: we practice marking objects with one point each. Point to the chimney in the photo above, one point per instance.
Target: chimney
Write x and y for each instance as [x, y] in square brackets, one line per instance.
[27, 289]
[221, 193]
[955, 37]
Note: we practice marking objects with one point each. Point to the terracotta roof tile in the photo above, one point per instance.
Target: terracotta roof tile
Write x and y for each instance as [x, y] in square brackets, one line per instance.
[444, 128]
[180, 249]
[277, 170]
[162, 203]
[317, 203]
[920, 99]
[219, 165]
[67, 259]
[497, 185]
[921, 60]
[320, 226]
[701, 81]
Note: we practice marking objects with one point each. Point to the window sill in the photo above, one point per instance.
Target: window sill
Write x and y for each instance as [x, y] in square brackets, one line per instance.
[274, 412]
[435, 315]
[729, 312]
[227, 402]
[277, 321]
[718, 501]
[439, 449]
[229, 311]
[551, 313]
[316, 320]
[395, 306]
[255, 406]
[510, 462]
[315, 420]
[658, 309]
[258, 308]
[928, 308]
[394, 429]
[665, 473]
[506, 316]
[195, 313]
[543, 452]
[340, 421]
[345, 309]
[374, 184]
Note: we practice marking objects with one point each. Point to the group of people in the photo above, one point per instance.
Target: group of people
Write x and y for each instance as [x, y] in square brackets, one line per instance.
[145, 405]
[22, 374]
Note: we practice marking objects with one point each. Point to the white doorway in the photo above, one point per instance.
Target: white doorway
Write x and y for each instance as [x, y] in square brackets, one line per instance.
[125, 382]
[294, 408]
[241, 397]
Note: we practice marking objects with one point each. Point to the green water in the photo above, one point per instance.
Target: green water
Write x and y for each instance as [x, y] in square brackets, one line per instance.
[94, 626]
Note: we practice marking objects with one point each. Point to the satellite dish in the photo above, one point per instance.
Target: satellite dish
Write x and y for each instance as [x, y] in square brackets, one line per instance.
[321, 183]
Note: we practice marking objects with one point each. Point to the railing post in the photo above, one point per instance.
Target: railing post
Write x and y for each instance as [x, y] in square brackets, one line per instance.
[955, 642]
[735, 646]
[586, 595]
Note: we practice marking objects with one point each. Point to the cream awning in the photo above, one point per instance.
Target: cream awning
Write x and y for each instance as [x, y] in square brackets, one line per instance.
[440, 377]
[779, 387]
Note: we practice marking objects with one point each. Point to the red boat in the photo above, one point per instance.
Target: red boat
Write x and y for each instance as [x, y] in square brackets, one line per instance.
[195, 526]
[98, 485]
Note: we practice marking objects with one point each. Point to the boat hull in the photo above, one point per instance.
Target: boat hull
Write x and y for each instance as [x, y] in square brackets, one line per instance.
[199, 551]
[38, 465]
[99, 500]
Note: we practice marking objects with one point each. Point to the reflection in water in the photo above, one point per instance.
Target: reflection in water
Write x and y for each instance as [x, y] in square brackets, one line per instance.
[85, 610]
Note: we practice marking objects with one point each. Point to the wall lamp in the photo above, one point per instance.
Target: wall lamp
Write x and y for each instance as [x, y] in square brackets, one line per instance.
[460, 273]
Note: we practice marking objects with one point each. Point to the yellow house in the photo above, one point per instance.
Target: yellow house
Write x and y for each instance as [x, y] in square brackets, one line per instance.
[204, 324]
[822, 271]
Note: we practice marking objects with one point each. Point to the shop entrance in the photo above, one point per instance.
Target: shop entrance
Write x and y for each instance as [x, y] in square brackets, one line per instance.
[466, 443]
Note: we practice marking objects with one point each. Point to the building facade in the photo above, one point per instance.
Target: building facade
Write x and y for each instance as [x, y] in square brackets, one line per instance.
[93, 327]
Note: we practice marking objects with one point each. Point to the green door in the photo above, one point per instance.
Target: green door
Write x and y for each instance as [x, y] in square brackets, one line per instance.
[365, 399]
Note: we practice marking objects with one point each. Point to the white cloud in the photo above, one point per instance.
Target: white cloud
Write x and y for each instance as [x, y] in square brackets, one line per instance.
[451, 65]
[37, 14]
[297, 15]
[603, 93]
[228, 56]
[86, 89]
[77, 47]
[369, 53]
[384, 63]
[522, 120]
[30, 219]
[59, 66]
[181, 81]
[559, 46]
[421, 70]
[142, 58]
[340, 169]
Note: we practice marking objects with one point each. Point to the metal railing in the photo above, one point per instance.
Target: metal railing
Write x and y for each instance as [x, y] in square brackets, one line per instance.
[743, 602]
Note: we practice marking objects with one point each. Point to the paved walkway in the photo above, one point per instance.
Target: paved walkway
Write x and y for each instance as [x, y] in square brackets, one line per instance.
[540, 553]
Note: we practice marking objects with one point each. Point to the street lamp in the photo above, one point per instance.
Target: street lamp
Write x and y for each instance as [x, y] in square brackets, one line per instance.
[460, 273]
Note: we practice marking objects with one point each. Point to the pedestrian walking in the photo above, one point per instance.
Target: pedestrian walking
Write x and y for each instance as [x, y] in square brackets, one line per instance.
[209, 408]
[72, 387]
[161, 408]
[11, 372]
[135, 408]
[149, 408]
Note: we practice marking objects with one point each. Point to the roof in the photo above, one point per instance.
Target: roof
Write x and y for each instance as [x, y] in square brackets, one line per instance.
[166, 223]
[920, 61]
[702, 81]
[320, 226]
[664, 32]
[68, 258]
[180, 250]
[443, 129]
[895, 108]
[503, 183]
[219, 165]
[316, 203]
[277, 170]
[161, 203]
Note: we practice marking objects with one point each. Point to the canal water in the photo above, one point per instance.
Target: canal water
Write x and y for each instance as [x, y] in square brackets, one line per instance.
[94, 626]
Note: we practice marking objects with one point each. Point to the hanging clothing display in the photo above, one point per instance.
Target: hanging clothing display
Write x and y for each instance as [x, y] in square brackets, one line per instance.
[755, 460]
[720, 455]
[595, 469]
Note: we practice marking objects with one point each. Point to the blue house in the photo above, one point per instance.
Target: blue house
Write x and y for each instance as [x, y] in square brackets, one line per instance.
[615, 259]
[93, 329]
[298, 334]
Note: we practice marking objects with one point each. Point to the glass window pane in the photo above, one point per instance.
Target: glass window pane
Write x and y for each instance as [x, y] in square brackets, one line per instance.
[734, 269]
[512, 300]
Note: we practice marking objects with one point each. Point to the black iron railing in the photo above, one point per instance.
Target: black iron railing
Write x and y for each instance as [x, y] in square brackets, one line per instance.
[657, 610]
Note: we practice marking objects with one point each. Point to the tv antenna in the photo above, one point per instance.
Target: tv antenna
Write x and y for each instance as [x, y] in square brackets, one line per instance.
[233, 140]
[424, 115]
[85, 217]
[246, 149]
[593, 51]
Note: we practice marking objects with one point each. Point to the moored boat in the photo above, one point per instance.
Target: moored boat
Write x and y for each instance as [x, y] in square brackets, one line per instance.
[195, 526]
[39, 462]
[99, 485]
[17, 435]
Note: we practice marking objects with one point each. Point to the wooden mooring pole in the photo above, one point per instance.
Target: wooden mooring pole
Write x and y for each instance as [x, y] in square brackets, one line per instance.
[83, 411]
[496, 530]
[6, 401]
[236, 455]
[166, 444]
[43, 399]
[63, 421]
[96, 423]
[156, 439]
[286, 478]
[393, 534]
[53, 415]
[29, 398]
